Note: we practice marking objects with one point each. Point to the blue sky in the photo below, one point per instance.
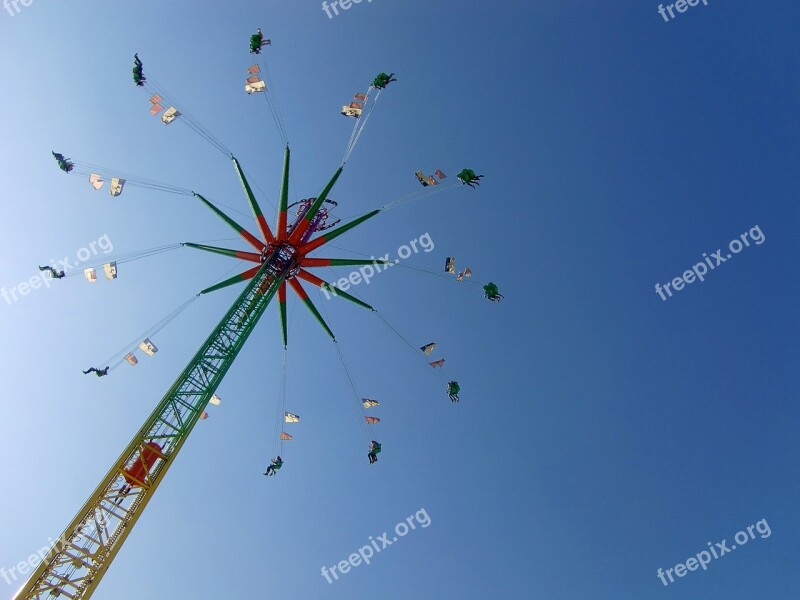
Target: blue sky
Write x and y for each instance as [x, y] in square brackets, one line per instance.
[602, 434]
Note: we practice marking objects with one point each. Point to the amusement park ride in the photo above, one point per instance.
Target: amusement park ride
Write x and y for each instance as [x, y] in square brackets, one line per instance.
[81, 556]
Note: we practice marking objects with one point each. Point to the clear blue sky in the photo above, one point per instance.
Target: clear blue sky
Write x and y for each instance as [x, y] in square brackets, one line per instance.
[602, 434]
